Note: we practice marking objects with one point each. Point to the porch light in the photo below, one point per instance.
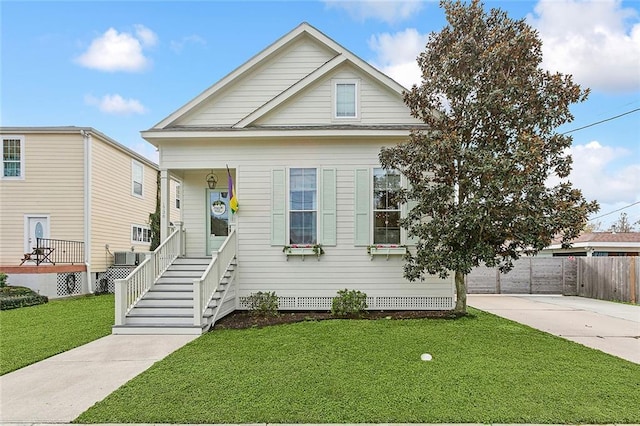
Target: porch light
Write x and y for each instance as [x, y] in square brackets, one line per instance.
[212, 180]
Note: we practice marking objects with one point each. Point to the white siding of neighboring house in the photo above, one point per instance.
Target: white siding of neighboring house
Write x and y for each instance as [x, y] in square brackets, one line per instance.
[260, 85]
[314, 107]
[113, 206]
[51, 188]
[263, 267]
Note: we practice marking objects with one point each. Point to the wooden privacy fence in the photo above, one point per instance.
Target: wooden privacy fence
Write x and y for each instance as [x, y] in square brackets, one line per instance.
[606, 278]
[609, 278]
[530, 275]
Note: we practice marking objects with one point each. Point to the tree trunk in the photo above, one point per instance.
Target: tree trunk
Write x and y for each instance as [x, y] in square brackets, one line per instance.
[461, 292]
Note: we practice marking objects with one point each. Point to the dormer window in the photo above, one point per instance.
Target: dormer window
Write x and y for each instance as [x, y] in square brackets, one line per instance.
[346, 103]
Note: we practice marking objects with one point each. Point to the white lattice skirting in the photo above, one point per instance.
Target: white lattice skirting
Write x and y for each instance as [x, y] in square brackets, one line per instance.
[374, 303]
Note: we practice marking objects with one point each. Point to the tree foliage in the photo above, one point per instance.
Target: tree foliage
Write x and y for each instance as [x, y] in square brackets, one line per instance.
[477, 169]
[623, 224]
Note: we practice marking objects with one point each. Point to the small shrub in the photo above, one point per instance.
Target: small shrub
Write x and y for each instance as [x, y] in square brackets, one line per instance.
[263, 303]
[3, 280]
[349, 303]
[17, 297]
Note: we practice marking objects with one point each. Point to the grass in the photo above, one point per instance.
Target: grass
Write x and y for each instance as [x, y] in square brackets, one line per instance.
[484, 369]
[34, 333]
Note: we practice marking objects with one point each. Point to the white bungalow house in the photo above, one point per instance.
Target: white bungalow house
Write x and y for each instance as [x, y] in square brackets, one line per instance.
[597, 244]
[71, 200]
[297, 129]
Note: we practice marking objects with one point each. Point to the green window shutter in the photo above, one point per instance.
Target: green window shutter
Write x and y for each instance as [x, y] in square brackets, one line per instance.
[328, 206]
[278, 207]
[362, 221]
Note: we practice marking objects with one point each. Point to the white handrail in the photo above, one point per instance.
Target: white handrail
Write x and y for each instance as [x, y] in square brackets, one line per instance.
[131, 289]
[205, 287]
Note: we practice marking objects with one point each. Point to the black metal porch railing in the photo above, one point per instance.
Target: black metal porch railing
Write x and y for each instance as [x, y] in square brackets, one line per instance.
[58, 251]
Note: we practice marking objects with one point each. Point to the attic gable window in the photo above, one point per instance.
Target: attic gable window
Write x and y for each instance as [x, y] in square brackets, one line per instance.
[346, 99]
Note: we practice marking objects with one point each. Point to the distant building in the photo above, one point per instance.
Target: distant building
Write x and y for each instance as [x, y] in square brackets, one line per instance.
[598, 244]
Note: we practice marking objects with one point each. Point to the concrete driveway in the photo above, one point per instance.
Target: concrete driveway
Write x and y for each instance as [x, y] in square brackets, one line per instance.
[610, 327]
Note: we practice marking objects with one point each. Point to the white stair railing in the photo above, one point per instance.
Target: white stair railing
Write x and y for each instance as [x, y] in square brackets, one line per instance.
[131, 289]
[205, 287]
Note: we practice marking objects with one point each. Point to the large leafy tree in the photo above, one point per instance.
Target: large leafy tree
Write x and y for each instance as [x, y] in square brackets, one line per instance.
[478, 167]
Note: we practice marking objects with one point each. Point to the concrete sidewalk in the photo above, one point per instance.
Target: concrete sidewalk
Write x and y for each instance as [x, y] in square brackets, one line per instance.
[60, 388]
[610, 327]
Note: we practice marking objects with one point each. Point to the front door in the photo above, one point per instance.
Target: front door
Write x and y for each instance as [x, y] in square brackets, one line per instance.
[218, 220]
[37, 227]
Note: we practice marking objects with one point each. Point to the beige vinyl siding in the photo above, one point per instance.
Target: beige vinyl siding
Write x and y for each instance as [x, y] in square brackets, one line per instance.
[377, 104]
[260, 85]
[53, 186]
[113, 206]
[263, 267]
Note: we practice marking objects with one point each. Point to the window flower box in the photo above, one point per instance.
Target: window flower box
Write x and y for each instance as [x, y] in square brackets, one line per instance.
[303, 250]
[386, 250]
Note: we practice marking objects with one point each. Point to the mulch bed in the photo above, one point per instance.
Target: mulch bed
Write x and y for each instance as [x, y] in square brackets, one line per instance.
[244, 319]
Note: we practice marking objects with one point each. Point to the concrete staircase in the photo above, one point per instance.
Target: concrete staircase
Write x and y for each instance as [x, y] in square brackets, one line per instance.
[167, 308]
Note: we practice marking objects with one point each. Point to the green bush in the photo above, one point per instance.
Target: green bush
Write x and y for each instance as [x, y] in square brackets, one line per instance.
[263, 303]
[18, 297]
[3, 280]
[349, 303]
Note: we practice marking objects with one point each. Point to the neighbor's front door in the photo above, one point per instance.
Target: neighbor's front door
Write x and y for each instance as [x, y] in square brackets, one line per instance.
[218, 218]
[38, 227]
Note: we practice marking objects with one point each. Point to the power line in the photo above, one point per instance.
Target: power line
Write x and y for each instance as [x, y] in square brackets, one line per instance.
[602, 121]
[615, 211]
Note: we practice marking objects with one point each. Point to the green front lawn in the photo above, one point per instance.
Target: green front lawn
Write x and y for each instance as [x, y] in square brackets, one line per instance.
[33, 333]
[484, 369]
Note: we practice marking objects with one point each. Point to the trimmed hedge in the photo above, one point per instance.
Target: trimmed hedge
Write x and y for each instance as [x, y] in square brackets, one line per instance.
[17, 297]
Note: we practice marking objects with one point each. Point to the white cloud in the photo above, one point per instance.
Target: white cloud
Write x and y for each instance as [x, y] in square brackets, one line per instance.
[178, 45]
[396, 55]
[114, 51]
[116, 104]
[384, 10]
[594, 174]
[597, 41]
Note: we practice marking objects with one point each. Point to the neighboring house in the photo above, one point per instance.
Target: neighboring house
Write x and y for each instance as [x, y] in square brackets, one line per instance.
[85, 195]
[598, 244]
[300, 127]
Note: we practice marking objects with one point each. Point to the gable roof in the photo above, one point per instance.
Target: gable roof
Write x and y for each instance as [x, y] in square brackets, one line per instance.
[342, 55]
[79, 130]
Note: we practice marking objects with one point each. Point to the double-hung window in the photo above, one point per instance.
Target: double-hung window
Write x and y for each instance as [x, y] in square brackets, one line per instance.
[386, 206]
[12, 157]
[140, 234]
[378, 210]
[346, 99]
[303, 206]
[137, 177]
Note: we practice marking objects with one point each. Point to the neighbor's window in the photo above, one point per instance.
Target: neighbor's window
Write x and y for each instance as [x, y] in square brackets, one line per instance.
[140, 234]
[346, 99]
[13, 157]
[386, 206]
[303, 206]
[137, 176]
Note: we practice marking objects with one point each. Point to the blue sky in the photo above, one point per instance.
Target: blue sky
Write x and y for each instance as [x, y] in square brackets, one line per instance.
[122, 66]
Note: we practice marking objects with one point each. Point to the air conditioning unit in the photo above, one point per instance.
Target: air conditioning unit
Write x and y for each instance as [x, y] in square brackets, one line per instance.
[125, 258]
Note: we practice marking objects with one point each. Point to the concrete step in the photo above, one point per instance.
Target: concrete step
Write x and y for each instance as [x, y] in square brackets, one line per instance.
[157, 329]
